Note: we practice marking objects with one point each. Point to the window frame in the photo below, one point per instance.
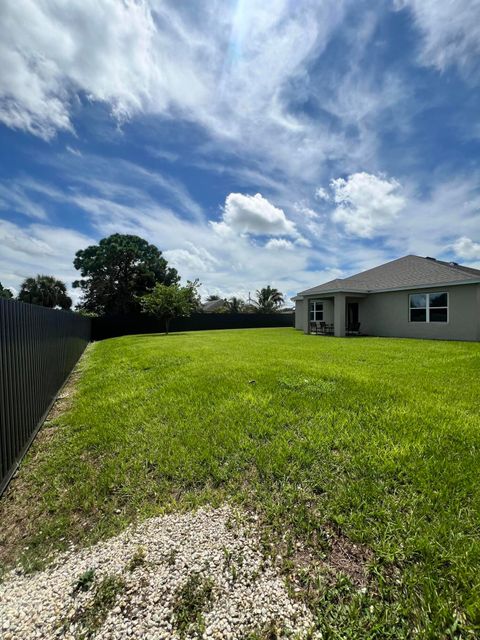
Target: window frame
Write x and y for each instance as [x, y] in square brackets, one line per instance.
[312, 308]
[427, 307]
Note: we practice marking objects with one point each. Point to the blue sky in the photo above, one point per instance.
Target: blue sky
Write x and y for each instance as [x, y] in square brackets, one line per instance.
[283, 142]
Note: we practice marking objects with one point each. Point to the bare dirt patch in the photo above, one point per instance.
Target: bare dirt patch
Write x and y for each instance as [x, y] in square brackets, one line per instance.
[350, 558]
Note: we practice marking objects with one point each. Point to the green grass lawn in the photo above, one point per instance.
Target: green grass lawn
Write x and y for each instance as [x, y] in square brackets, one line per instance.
[378, 439]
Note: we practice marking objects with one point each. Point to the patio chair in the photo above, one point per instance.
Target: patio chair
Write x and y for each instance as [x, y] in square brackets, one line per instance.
[317, 327]
[353, 329]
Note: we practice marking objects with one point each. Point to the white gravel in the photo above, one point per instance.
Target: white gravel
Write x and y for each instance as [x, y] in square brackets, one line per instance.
[247, 595]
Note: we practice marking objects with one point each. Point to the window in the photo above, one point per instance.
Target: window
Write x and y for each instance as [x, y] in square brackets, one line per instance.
[316, 311]
[428, 307]
[418, 307]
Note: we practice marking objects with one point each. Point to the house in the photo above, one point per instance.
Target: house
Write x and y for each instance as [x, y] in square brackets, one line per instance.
[411, 297]
[213, 306]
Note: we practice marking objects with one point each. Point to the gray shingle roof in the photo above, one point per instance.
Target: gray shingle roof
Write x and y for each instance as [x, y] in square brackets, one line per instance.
[213, 305]
[409, 271]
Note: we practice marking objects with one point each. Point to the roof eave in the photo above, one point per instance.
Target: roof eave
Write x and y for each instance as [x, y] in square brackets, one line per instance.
[330, 291]
[435, 285]
[429, 285]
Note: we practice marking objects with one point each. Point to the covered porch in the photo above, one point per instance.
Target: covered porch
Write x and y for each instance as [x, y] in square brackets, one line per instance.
[338, 314]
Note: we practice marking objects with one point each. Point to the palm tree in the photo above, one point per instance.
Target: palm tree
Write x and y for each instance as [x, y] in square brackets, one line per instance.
[269, 299]
[45, 291]
[235, 305]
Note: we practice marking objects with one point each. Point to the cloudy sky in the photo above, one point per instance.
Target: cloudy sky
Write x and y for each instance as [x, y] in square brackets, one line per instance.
[284, 142]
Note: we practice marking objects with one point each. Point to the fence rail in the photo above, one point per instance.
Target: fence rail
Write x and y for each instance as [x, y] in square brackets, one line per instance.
[114, 326]
[38, 349]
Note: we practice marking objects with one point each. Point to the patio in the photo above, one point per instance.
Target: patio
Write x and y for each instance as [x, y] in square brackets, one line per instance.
[336, 315]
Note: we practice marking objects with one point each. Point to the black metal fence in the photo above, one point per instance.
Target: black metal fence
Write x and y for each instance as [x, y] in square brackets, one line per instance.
[38, 349]
[113, 326]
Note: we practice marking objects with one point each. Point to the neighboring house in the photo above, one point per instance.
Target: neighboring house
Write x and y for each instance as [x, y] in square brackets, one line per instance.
[411, 297]
[213, 306]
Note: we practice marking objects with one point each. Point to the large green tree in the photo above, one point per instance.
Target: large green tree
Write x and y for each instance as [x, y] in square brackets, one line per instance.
[5, 293]
[117, 271]
[269, 299]
[169, 302]
[45, 291]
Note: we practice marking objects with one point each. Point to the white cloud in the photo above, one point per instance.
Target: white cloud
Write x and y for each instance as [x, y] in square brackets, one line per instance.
[302, 242]
[254, 215]
[73, 151]
[148, 56]
[279, 244]
[229, 265]
[466, 248]
[322, 194]
[305, 212]
[450, 210]
[14, 197]
[366, 203]
[50, 52]
[232, 264]
[450, 30]
[124, 201]
[193, 258]
[232, 68]
[39, 248]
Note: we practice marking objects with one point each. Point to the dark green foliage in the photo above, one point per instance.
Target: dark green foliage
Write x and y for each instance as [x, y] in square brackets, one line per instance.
[85, 581]
[170, 302]
[46, 291]
[268, 300]
[5, 293]
[235, 305]
[117, 271]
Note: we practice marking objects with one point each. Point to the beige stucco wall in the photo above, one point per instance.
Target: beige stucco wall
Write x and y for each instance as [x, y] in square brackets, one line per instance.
[387, 314]
[301, 312]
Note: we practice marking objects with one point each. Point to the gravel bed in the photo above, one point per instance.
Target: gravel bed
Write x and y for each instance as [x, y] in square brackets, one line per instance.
[194, 575]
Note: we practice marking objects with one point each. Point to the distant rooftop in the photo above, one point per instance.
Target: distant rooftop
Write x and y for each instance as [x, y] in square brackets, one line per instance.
[213, 305]
[409, 271]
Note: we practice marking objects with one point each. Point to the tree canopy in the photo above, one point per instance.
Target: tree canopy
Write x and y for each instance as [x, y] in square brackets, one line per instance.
[235, 305]
[45, 291]
[117, 271]
[5, 293]
[168, 302]
[269, 299]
